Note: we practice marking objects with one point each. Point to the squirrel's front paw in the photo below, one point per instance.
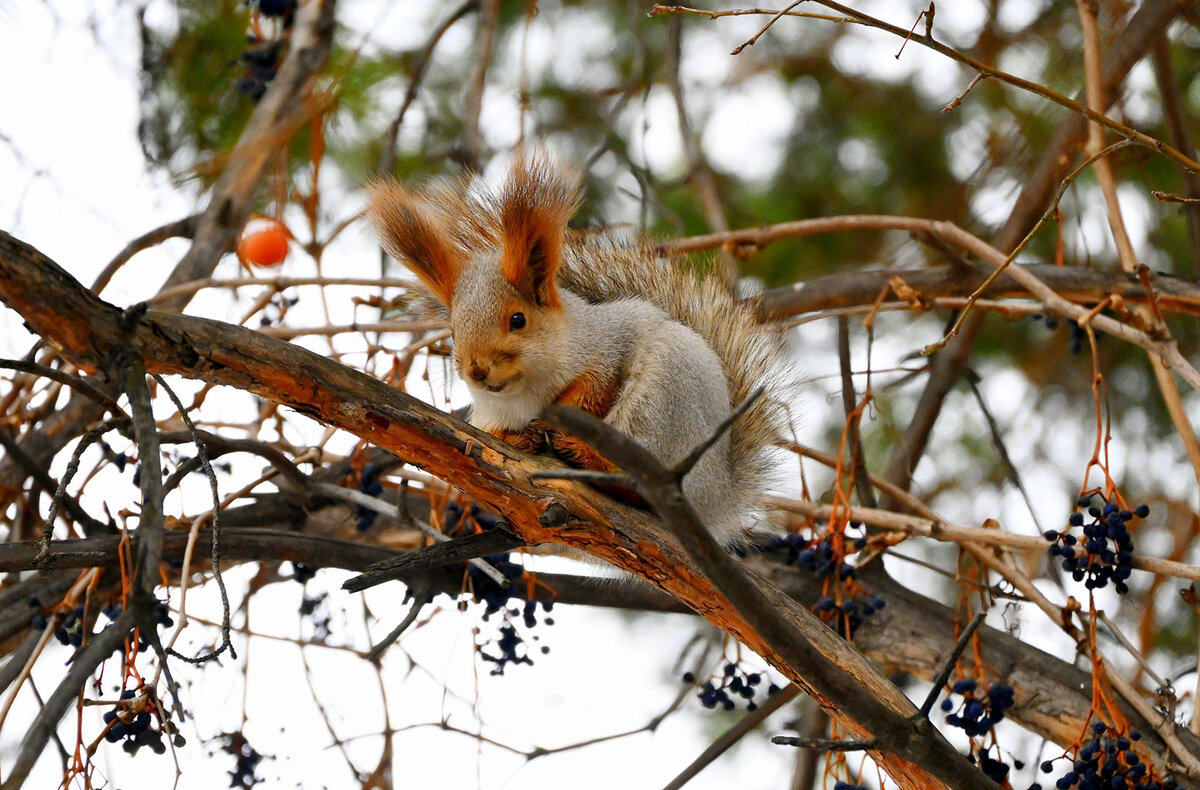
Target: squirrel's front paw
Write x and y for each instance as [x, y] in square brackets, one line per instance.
[537, 438]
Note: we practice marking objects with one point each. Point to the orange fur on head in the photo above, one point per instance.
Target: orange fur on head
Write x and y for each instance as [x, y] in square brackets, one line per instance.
[534, 207]
[415, 235]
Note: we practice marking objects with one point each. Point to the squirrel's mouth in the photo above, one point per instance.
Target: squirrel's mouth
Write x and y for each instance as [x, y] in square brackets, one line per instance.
[494, 387]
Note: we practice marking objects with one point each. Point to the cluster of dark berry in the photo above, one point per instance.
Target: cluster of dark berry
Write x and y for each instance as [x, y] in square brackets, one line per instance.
[247, 758]
[993, 768]
[1107, 545]
[1107, 760]
[509, 645]
[821, 559]
[506, 645]
[135, 729]
[494, 597]
[372, 486]
[849, 615]
[825, 561]
[978, 712]
[162, 619]
[70, 630]
[793, 543]
[734, 682]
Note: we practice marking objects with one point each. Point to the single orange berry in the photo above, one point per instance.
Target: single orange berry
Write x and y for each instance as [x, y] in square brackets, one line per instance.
[263, 242]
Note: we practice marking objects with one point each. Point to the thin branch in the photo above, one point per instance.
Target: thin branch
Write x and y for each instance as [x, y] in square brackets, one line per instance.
[686, 464]
[83, 663]
[952, 234]
[592, 476]
[419, 599]
[329, 330]
[700, 174]
[1010, 469]
[278, 284]
[216, 446]
[956, 652]
[825, 744]
[862, 483]
[150, 518]
[440, 555]
[485, 39]
[182, 228]
[860, 289]
[387, 159]
[753, 39]
[287, 107]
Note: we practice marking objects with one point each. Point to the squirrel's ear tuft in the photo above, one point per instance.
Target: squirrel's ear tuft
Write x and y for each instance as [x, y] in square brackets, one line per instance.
[414, 234]
[534, 207]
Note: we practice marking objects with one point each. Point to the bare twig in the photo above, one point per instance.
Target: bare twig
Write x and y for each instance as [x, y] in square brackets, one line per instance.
[751, 41]
[182, 228]
[851, 14]
[940, 681]
[417, 70]
[826, 744]
[685, 464]
[419, 599]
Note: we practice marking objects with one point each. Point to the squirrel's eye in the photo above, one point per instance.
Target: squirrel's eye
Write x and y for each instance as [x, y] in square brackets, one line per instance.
[517, 321]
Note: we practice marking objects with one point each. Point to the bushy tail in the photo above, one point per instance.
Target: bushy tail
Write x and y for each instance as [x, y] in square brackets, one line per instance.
[598, 268]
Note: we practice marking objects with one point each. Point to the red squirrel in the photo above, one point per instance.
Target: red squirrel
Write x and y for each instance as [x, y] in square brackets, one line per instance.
[540, 316]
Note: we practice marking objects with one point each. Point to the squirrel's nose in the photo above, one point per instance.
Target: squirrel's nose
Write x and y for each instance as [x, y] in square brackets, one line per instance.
[477, 372]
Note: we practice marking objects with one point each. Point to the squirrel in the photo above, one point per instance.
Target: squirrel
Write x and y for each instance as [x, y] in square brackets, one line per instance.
[542, 315]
